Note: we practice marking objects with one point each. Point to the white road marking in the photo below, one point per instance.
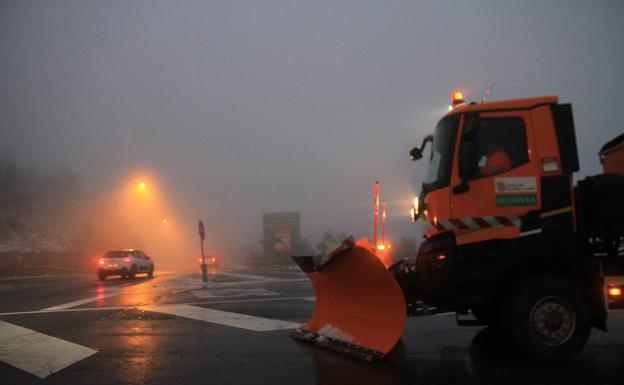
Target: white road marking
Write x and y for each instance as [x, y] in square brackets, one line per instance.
[242, 321]
[107, 294]
[194, 283]
[229, 293]
[142, 307]
[248, 300]
[256, 277]
[247, 283]
[68, 310]
[38, 353]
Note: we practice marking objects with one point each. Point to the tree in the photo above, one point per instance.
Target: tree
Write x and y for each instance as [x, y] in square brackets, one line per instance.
[301, 246]
[330, 241]
[15, 202]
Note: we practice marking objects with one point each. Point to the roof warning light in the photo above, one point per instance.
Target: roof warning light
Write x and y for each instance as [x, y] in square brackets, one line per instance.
[457, 98]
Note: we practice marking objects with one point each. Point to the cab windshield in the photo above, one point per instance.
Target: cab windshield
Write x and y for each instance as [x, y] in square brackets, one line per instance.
[441, 160]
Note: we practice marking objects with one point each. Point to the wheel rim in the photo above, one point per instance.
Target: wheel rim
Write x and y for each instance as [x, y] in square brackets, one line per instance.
[552, 320]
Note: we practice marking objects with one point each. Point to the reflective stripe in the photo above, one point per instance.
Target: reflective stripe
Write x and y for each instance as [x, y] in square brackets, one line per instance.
[446, 225]
[491, 221]
[530, 232]
[475, 223]
[481, 222]
[458, 223]
[471, 223]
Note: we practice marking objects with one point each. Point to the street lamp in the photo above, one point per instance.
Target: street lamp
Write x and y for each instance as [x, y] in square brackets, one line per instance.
[142, 189]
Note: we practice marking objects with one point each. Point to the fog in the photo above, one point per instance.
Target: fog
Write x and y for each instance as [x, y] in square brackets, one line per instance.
[230, 109]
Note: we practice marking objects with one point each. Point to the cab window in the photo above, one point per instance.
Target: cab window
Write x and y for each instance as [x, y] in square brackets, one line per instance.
[440, 162]
[492, 146]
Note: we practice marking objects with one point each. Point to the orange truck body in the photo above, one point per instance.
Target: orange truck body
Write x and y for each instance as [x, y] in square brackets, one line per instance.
[612, 156]
[519, 247]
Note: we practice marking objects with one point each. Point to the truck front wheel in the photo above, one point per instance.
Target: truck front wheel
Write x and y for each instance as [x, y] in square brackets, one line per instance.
[548, 320]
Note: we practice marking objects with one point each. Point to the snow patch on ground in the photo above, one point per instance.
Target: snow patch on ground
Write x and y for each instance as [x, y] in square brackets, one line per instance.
[26, 239]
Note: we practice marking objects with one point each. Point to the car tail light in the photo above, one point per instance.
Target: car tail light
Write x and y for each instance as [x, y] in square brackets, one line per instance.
[101, 261]
[199, 260]
[127, 260]
[616, 296]
[212, 259]
[615, 292]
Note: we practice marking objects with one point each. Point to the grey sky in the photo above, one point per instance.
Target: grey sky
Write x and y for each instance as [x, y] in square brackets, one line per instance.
[243, 107]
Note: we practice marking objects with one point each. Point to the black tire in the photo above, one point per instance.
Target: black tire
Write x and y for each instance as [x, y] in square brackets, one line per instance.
[547, 320]
[150, 272]
[133, 271]
[101, 276]
[124, 273]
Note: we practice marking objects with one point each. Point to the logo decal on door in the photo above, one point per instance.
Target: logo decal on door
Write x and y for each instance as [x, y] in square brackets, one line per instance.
[521, 184]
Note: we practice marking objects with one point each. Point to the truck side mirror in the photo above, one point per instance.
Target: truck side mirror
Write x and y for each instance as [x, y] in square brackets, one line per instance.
[417, 152]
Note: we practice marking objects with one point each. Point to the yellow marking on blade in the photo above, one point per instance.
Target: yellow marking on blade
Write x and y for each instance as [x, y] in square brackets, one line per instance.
[556, 212]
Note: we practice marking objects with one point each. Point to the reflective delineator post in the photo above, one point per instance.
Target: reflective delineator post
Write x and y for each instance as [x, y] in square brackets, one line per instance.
[202, 235]
[376, 214]
[383, 223]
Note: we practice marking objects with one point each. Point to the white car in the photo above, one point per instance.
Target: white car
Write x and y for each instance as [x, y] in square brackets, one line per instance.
[126, 263]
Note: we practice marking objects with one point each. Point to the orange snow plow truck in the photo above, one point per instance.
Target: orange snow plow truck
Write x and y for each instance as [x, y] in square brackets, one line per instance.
[510, 241]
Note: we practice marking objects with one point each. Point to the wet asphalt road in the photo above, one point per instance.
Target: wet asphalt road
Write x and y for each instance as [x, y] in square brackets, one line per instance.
[143, 332]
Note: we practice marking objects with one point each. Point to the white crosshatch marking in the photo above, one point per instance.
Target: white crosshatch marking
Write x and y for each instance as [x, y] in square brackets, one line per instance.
[37, 353]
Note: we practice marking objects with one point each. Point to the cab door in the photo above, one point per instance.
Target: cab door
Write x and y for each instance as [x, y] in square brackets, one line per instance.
[487, 201]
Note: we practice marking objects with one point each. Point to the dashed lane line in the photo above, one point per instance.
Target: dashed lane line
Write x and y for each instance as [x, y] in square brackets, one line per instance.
[36, 353]
[241, 321]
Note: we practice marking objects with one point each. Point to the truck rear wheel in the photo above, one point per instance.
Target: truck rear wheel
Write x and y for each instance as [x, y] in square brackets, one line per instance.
[548, 320]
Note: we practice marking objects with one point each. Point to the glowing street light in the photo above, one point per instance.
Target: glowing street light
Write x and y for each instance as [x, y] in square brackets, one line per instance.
[142, 192]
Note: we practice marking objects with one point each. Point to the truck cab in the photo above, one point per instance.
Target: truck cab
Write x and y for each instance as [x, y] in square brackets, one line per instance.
[501, 214]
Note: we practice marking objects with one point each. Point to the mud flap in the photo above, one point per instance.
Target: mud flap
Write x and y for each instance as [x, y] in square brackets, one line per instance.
[360, 308]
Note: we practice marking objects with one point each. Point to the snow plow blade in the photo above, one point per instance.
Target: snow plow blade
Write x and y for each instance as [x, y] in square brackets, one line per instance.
[360, 309]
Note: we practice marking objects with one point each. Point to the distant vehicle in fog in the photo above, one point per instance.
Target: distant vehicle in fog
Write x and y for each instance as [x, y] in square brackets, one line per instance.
[125, 263]
[211, 262]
